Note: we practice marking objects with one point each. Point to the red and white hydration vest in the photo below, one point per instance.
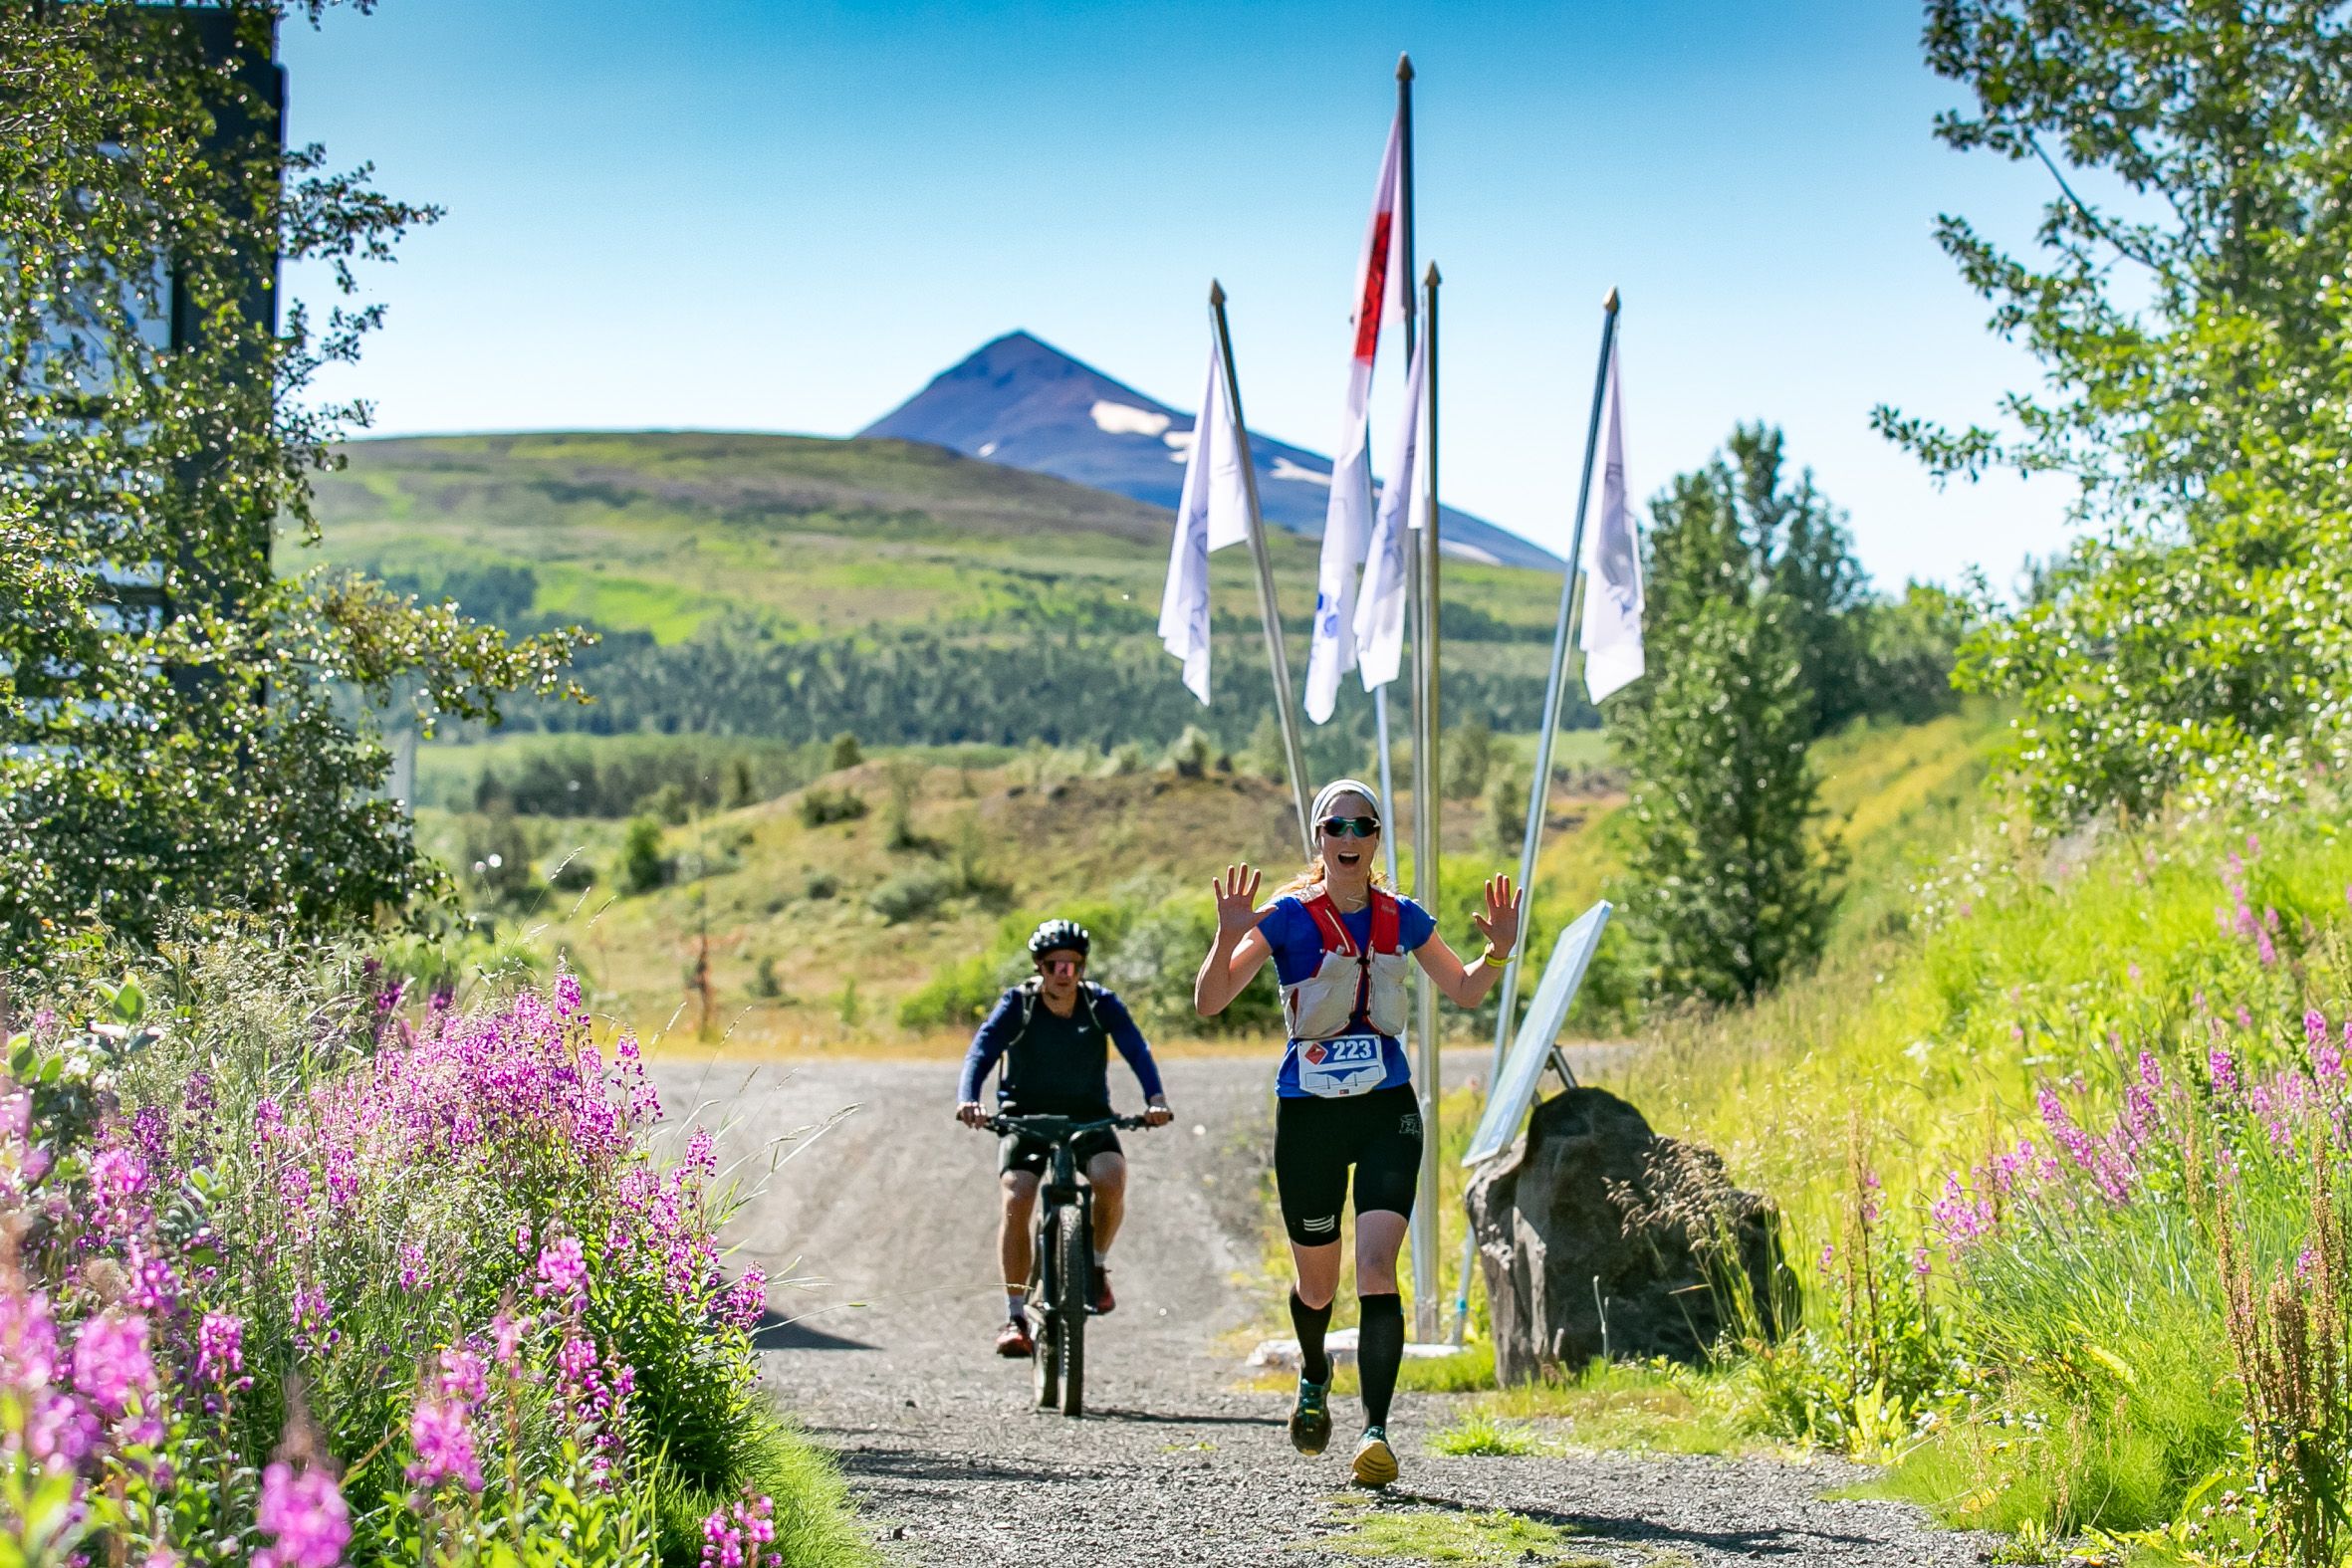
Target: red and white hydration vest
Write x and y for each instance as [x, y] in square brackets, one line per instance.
[1367, 991]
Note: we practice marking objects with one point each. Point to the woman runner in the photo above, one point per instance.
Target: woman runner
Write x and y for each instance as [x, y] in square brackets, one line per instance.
[1344, 1094]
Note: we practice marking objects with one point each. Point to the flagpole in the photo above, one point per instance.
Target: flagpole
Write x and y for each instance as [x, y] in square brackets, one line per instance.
[1404, 113]
[1427, 1320]
[1425, 1217]
[1539, 788]
[1276, 659]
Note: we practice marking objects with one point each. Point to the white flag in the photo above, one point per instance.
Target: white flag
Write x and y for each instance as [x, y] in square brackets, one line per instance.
[1611, 637]
[1212, 511]
[1380, 287]
[1381, 605]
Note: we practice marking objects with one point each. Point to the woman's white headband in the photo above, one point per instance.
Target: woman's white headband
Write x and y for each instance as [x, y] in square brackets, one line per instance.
[1340, 787]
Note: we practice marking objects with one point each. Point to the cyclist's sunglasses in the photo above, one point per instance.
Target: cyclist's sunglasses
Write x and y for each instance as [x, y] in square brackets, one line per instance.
[1349, 827]
[1060, 966]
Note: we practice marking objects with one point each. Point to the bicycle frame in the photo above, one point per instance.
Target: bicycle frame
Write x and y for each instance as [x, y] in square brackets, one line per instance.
[1060, 1305]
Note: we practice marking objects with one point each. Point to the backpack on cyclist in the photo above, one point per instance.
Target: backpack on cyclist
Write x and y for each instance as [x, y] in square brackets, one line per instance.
[1087, 992]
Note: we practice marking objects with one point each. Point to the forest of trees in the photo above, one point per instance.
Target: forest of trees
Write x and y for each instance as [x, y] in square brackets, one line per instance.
[1065, 685]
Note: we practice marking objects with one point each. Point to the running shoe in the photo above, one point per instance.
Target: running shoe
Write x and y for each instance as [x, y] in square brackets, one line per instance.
[1375, 1462]
[1105, 1302]
[1013, 1341]
[1311, 1418]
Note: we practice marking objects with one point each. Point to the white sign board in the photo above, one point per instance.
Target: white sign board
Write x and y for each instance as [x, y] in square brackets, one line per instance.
[1513, 1088]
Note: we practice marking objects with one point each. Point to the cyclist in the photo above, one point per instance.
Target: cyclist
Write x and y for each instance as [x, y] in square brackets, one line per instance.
[1345, 1094]
[1053, 1033]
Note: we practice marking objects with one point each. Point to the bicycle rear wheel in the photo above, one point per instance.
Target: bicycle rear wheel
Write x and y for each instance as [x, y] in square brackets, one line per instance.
[1074, 1286]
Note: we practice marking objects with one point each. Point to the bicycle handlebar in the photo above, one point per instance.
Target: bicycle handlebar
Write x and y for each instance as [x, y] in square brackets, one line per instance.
[1054, 1129]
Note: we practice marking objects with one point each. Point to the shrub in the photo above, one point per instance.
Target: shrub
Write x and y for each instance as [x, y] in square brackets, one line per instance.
[846, 752]
[1190, 754]
[911, 894]
[417, 1273]
[671, 803]
[819, 885]
[906, 782]
[1467, 757]
[642, 866]
[819, 805]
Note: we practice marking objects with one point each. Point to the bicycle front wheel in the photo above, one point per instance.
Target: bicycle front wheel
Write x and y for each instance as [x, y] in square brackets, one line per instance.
[1045, 1359]
[1074, 1260]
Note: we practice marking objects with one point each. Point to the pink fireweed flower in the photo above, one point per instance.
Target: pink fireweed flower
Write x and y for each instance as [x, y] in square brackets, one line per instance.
[1920, 1267]
[2108, 1169]
[27, 1338]
[112, 1363]
[1962, 1221]
[738, 1536]
[442, 1433]
[567, 1004]
[563, 1273]
[314, 1319]
[1828, 1257]
[2224, 1070]
[220, 1347]
[464, 1376]
[62, 1431]
[506, 1336]
[702, 1153]
[747, 1299]
[412, 1264]
[304, 1510]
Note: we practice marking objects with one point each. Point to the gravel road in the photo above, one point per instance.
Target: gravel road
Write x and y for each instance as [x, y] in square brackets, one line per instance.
[883, 1352]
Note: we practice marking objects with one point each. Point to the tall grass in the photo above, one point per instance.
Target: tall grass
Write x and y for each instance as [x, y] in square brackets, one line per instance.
[2065, 1099]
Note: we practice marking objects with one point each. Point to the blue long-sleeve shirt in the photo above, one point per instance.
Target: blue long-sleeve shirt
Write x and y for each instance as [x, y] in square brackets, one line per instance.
[1058, 1066]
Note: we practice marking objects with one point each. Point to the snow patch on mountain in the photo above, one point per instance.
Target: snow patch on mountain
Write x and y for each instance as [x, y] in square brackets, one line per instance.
[1124, 420]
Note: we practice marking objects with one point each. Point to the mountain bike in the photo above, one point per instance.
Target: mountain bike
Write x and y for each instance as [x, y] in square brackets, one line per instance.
[1061, 1255]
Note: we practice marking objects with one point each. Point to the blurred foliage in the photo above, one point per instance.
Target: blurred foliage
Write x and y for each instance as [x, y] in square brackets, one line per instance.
[171, 731]
[2195, 340]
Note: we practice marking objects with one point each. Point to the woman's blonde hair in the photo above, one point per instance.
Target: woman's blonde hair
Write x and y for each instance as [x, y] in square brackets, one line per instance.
[1314, 872]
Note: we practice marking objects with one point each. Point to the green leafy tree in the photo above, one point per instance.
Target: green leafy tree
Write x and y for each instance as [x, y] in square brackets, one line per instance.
[1729, 873]
[2195, 339]
[170, 732]
[642, 864]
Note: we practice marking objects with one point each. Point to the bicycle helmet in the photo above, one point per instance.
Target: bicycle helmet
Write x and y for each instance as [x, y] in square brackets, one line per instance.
[1059, 936]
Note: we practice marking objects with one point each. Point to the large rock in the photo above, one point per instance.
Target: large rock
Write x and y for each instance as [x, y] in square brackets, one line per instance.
[1598, 1237]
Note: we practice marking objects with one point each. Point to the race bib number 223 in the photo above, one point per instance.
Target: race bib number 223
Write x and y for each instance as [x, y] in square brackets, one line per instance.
[1336, 1069]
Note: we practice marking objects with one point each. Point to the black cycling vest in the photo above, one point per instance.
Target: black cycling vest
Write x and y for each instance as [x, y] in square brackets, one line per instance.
[1056, 1066]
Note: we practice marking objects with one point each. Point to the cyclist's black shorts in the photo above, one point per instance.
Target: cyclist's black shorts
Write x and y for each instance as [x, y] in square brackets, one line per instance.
[1317, 1140]
[1020, 1152]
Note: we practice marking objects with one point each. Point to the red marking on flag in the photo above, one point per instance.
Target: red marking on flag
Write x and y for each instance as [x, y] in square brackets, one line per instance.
[1314, 1055]
[1367, 311]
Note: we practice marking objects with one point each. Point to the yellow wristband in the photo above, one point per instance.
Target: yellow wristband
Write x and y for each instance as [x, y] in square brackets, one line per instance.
[1495, 960]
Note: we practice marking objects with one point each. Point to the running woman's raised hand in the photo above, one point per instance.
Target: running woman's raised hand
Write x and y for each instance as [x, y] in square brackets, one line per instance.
[1237, 903]
[1499, 924]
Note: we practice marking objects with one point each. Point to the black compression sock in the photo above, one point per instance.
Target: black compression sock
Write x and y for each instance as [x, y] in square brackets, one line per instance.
[1379, 1351]
[1311, 1322]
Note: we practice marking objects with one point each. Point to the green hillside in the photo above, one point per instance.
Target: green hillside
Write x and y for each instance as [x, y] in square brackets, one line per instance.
[793, 587]
[914, 875]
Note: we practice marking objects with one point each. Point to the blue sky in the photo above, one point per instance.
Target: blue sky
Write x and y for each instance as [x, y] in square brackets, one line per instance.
[747, 214]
